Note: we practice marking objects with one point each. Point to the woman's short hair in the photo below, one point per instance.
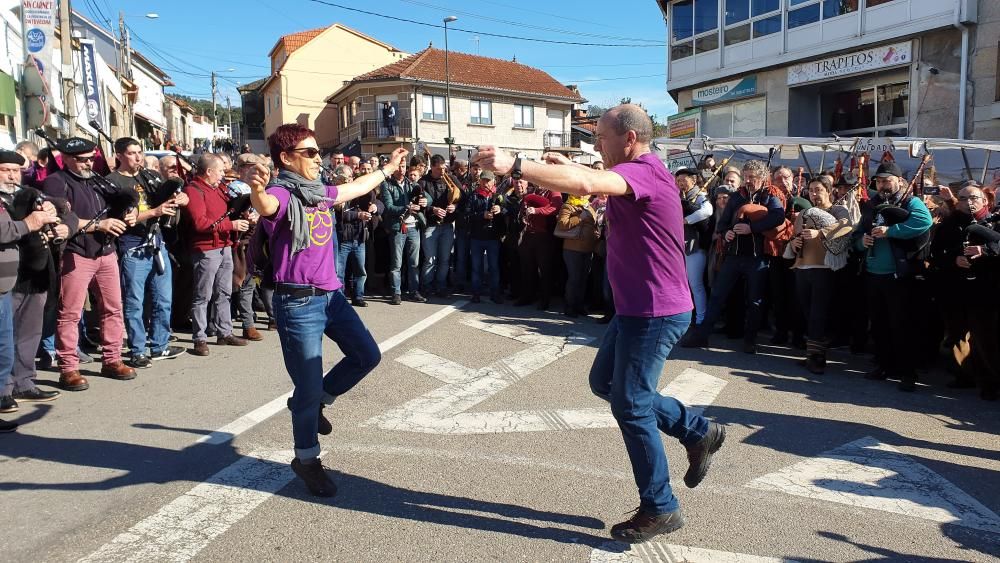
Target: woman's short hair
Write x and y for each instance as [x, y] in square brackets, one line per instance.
[285, 138]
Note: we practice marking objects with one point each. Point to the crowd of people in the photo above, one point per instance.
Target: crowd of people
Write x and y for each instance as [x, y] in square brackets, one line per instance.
[126, 248]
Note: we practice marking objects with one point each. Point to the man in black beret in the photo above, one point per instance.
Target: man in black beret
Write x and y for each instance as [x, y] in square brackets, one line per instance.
[105, 211]
[11, 232]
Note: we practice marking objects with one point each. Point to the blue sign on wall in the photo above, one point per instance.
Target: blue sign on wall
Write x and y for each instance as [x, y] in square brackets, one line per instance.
[724, 91]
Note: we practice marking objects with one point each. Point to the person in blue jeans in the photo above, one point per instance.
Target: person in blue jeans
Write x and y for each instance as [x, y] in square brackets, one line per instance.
[296, 211]
[404, 202]
[139, 247]
[486, 217]
[653, 302]
[439, 235]
[355, 223]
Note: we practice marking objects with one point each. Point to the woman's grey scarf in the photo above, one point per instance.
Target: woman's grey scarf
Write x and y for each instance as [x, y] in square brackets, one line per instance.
[305, 193]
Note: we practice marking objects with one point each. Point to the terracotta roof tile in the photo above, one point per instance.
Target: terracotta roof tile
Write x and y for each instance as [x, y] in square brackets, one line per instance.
[293, 41]
[473, 70]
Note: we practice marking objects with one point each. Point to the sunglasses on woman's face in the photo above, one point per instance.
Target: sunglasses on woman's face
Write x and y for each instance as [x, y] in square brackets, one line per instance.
[308, 152]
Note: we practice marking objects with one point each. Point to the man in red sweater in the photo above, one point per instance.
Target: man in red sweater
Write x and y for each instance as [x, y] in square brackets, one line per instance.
[211, 254]
[536, 249]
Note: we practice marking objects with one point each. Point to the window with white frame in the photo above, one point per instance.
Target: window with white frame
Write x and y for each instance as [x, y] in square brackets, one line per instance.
[805, 12]
[482, 112]
[750, 19]
[694, 27]
[433, 107]
[524, 116]
[740, 119]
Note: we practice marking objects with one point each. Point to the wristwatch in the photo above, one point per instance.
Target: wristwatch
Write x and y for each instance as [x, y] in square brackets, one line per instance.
[515, 171]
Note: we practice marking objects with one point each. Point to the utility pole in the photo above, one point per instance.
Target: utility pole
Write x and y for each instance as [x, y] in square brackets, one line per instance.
[214, 112]
[66, 52]
[229, 108]
[125, 68]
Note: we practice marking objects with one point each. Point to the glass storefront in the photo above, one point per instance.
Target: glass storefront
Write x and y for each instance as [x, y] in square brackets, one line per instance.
[881, 110]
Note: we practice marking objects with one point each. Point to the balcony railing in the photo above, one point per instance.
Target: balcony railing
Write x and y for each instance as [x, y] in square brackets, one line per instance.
[553, 139]
[382, 129]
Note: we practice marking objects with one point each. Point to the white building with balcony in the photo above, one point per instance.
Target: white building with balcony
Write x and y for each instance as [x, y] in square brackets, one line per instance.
[746, 68]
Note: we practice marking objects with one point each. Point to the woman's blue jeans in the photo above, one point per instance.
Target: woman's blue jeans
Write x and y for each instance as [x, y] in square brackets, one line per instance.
[302, 322]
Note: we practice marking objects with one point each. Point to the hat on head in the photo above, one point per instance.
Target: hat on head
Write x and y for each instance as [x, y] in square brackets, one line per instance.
[487, 175]
[801, 204]
[725, 188]
[76, 145]
[887, 169]
[685, 171]
[11, 157]
[848, 179]
[246, 159]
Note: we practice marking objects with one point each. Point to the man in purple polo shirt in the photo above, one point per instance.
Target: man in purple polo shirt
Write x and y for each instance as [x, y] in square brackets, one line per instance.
[653, 302]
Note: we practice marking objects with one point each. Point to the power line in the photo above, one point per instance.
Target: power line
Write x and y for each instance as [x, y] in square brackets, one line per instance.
[486, 33]
[528, 26]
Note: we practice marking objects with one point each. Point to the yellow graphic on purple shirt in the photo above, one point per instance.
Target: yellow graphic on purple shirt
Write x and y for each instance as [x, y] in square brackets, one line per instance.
[320, 226]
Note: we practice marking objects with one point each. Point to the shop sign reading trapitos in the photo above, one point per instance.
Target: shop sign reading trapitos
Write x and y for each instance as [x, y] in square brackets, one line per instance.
[851, 63]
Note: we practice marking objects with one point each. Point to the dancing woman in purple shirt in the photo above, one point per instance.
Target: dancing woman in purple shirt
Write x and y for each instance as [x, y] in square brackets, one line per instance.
[648, 280]
[296, 212]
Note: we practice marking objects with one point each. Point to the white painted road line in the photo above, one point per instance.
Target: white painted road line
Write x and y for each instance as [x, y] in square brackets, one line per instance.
[262, 413]
[182, 528]
[186, 525]
[615, 552]
[445, 410]
[870, 474]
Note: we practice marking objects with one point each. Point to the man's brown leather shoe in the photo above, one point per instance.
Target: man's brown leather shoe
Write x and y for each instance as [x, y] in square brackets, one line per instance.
[118, 370]
[252, 334]
[231, 340]
[200, 348]
[73, 381]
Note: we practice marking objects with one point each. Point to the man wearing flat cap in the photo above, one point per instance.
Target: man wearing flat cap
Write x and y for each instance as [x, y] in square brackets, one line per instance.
[11, 233]
[896, 229]
[105, 211]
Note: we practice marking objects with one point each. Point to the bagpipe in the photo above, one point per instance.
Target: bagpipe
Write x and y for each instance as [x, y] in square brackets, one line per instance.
[26, 201]
[237, 201]
[118, 202]
[454, 191]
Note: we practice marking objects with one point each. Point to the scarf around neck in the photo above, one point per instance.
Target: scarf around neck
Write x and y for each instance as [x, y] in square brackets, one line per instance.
[305, 193]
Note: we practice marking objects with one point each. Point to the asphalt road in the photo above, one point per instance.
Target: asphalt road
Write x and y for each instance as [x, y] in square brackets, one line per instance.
[477, 439]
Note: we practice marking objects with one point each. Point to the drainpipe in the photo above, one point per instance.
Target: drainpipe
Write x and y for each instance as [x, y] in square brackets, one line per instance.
[963, 73]
[415, 119]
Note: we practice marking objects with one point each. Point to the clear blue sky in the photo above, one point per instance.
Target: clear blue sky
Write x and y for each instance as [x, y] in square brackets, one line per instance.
[191, 38]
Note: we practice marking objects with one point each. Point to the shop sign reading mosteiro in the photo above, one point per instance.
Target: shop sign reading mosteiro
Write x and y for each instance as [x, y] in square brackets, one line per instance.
[851, 63]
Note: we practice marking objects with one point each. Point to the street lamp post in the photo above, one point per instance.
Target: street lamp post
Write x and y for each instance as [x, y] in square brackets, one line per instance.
[447, 84]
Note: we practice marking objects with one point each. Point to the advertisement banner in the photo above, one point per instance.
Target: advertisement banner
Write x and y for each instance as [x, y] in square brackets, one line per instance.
[38, 20]
[685, 125]
[851, 63]
[91, 88]
[741, 88]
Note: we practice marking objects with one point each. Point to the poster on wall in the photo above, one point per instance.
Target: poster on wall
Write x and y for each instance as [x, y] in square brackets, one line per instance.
[725, 91]
[38, 20]
[866, 60]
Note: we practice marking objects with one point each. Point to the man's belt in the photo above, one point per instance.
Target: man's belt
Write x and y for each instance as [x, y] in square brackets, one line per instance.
[296, 291]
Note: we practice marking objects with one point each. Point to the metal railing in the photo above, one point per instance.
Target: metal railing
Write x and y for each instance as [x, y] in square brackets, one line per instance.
[382, 129]
[553, 139]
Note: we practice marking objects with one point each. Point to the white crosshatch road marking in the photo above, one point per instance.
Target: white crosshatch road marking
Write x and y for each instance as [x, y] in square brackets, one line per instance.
[615, 552]
[870, 474]
[445, 410]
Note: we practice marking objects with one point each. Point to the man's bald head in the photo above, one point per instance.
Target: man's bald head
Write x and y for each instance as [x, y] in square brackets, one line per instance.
[630, 117]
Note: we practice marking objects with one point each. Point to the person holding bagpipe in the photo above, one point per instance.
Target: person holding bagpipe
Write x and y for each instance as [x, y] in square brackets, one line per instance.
[443, 196]
[404, 203]
[28, 224]
[697, 218]
[967, 269]
[105, 212]
[536, 248]
[355, 222]
[896, 227]
[143, 257]
[485, 210]
[750, 215]
[819, 248]
[244, 285]
[211, 244]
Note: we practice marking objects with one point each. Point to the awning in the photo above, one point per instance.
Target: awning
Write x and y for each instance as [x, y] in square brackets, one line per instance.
[150, 121]
[8, 97]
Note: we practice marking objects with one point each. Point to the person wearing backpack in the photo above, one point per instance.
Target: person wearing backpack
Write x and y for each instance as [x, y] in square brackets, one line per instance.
[296, 211]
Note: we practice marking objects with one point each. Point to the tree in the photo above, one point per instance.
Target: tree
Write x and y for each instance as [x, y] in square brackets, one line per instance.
[204, 107]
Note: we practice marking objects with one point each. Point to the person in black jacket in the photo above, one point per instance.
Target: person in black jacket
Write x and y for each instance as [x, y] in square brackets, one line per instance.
[485, 212]
[745, 257]
[965, 270]
[356, 221]
[439, 235]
